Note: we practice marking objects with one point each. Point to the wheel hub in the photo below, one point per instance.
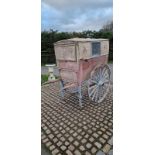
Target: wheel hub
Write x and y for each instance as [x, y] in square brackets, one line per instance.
[100, 83]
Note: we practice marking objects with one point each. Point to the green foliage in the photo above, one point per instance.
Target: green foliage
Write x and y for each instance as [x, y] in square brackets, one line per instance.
[52, 36]
[44, 78]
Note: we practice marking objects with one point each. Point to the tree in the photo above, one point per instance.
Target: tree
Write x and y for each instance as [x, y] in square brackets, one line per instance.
[52, 36]
[108, 26]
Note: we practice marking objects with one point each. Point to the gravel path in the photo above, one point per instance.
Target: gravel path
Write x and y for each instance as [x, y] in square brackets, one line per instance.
[44, 150]
[66, 128]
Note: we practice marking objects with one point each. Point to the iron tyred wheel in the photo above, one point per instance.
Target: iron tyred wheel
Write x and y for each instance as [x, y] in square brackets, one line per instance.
[98, 84]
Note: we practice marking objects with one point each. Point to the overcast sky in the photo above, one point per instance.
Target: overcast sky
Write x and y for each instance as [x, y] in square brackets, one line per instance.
[75, 15]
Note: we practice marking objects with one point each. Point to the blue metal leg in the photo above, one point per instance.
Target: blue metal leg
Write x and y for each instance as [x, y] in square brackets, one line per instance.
[61, 87]
[80, 96]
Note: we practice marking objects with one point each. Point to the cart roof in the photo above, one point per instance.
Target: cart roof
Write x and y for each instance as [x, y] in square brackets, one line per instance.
[73, 40]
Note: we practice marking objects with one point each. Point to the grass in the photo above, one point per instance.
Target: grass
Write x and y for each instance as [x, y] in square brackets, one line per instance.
[44, 78]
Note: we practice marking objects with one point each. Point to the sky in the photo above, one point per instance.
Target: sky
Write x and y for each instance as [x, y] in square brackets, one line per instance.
[75, 15]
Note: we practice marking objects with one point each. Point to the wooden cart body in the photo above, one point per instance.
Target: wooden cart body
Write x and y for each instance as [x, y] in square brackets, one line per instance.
[76, 59]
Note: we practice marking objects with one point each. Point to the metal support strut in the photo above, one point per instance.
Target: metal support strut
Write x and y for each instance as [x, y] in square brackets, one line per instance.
[80, 96]
[61, 88]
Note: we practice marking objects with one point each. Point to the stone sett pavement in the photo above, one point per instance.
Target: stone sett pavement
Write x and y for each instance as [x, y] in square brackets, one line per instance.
[68, 129]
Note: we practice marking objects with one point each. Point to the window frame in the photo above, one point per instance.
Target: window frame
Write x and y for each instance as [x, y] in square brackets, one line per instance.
[92, 47]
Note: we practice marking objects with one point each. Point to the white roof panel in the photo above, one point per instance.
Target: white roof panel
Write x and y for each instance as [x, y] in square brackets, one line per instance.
[73, 40]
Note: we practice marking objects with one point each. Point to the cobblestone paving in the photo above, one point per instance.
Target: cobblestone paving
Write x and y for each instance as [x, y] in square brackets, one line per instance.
[68, 129]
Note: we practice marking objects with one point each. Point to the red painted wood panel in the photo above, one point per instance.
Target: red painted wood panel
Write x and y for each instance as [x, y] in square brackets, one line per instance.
[80, 71]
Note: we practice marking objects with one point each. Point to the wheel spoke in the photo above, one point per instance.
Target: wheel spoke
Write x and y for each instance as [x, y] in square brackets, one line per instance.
[94, 77]
[106, 76]
[106, 81]
[92, 81]
[91, 87]
[105, 72]
[94, 94]
[101, 76]
[96, 98]
[102, 94]
[102, 90]
[92, 90]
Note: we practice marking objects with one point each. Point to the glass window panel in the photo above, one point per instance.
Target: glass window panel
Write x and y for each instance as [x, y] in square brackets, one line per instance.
[96, 48]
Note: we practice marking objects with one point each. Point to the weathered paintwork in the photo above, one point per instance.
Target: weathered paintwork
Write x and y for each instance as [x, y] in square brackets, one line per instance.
[76, 58]
[65, 52]
[77, 49]
[78, 72]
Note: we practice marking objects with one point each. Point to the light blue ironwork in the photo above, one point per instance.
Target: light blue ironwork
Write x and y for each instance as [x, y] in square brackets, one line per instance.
[80, 96]
[61, 88]
[97, 85]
